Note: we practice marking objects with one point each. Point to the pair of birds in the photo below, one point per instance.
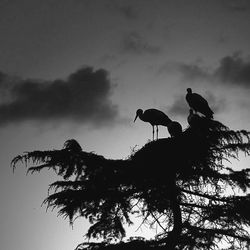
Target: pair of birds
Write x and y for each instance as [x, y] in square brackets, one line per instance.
[156, 117]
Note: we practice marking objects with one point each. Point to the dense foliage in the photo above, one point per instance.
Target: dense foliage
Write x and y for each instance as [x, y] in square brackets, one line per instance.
[181, 184]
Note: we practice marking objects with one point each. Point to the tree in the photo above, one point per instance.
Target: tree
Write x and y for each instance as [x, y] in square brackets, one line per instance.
[181, 184]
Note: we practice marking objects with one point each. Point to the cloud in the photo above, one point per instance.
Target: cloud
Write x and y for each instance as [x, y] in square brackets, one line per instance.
[84, 97]
[232, 70]
[134, 43]
[236, 5]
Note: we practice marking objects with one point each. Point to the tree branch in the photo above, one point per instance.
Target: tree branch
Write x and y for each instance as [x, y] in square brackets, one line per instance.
[156, 219]
[218, 231]
[193, 205]
[204, 195]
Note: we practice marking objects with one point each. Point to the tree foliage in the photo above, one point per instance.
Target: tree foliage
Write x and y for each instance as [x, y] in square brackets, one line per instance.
[180, 184]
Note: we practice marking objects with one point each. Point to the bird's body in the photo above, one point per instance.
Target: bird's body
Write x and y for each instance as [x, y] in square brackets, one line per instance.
[153, 116]
[193, 119]
[200, 125]
[198, 103]
[174, 128]
[156, 117]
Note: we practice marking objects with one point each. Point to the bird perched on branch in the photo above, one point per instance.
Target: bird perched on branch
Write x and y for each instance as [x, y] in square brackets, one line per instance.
[194, 120]
[198, 103]
[156, 117]
[174, 128]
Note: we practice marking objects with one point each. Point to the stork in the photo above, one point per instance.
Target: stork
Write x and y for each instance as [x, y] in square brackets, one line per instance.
[198, 103]
[156, 117]
[174, 128]
[193, 119]
[199, 125]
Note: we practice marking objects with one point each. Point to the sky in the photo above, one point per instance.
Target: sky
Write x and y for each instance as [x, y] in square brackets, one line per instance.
[79, 69]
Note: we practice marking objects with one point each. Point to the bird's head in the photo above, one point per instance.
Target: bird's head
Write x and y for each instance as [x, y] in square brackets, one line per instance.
[191, 112]
[189, 90]
[139, 112]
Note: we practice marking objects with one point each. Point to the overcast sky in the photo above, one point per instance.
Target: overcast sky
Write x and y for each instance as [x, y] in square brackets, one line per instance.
[81, 68]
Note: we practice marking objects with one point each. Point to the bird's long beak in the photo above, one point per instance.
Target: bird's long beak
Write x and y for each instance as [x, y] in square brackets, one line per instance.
[135, 117]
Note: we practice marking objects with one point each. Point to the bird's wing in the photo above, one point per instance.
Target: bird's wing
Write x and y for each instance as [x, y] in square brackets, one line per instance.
[199, 99]
[156, 116]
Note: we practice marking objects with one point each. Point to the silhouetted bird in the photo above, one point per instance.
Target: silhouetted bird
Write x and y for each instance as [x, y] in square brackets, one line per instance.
[174, 128]
[199, 124]
[198, 103]
[156, 117]
[193, 119]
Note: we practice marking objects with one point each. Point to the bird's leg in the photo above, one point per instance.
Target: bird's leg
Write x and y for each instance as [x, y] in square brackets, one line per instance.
[157, 132]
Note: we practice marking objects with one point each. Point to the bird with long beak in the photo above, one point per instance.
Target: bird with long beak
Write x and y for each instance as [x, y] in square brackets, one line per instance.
[156, 117]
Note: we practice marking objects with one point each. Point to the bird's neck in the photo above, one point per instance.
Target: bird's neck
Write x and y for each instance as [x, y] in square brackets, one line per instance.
[167, 121]
[141, 116]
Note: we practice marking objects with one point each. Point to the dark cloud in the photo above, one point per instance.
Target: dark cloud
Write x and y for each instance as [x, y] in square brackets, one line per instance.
[83, 97]
[134, 43]
[233, 70]
[236, 5]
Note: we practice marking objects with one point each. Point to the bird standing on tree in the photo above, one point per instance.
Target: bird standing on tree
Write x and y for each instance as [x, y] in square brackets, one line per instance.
[198, 103]
[194, 120]
[156, 117]
[174, 128]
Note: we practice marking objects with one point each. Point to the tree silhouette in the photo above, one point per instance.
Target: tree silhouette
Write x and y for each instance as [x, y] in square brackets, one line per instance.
[180, 184]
